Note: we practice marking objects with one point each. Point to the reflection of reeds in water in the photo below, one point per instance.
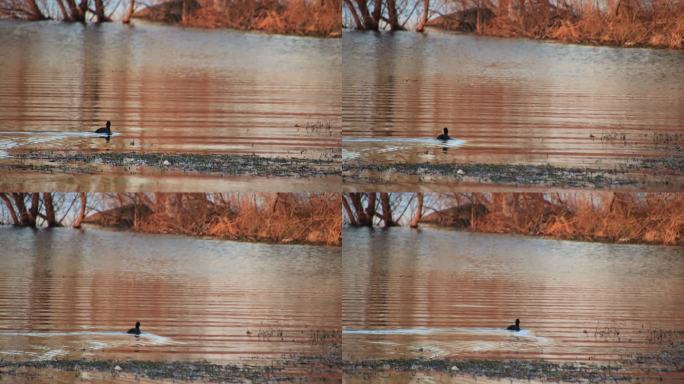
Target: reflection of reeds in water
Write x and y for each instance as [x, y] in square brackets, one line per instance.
[312, 218]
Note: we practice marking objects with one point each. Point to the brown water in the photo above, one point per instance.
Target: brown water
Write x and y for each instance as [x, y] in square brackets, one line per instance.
[72, 294]
[512, 101]
[167, 89]
[159, 181]
[441, 294]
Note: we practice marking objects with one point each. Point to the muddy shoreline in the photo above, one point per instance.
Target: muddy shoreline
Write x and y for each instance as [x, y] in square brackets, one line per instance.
[640, 367]
[507, 369]
[205, 164]
[320, 368]
[665, 174]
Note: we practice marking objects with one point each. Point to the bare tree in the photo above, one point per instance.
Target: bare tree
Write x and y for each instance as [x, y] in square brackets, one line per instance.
[100, 12]
[419, 211]
[424, 18]
[10, 208]
[387, 218]
[129, 12]
[49, 210]
[368, 14]
[24, 214]
[82, 210]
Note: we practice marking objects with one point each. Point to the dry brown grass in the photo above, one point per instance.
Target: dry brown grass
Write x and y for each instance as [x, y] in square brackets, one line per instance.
[627, 23]
[653, 218]
[296, 17]
[312, 218]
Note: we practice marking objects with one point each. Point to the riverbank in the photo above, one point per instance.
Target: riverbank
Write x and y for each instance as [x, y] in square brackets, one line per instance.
[661, 174]
[644, 368]
[639, 367]
[215, 164]
[317, 369]
[294, 17]
[621, 24]
[284, 218]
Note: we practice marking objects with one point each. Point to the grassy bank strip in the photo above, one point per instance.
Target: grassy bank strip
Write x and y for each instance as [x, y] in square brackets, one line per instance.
[221, 164]
[303, 370]
[525, 175]
[510, 369]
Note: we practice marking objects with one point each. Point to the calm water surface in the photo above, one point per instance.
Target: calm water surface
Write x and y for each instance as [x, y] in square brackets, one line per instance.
[167, 89]
[449, 295]
[511, 100]
[72, 294]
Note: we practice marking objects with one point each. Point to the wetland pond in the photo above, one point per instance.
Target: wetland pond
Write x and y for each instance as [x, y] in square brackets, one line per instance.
[529, 113]
[69, 296]
[436, 298]
[198, 107]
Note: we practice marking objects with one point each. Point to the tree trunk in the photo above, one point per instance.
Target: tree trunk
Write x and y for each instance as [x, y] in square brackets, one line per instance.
[350, 213]
[35, 205]
[377, 11]
[369, 23]
[355, 15]
[129, 12]
[36, 13]
[74, 11]
[10, 208]
[81, 212]
[49, 210]
[370, 209]
[100, 11]
[26, 220]
[82, 10]
[419, 211]
[424, 18]
[386, 210]
[393, 16]
[62, 9]
[361, 216]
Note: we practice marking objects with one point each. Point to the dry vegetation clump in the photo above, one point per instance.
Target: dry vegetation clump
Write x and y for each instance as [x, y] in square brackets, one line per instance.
[627, 23]
[655, 218]
[312, 218]
[297, 17]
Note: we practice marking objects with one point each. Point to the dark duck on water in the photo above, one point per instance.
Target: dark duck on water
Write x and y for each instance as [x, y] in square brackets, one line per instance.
[106, 130]
[514, 327]
[444, 136]
[136, 330]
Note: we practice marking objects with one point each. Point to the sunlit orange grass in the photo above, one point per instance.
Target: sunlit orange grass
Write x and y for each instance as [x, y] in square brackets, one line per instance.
[294, 218]
[303, 17]
[656, 218]
[659, 23]
[300, 17]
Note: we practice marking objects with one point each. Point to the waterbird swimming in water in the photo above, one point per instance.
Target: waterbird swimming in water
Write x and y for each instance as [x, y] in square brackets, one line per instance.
[136, 330]
[106, 129]
[444, 136]
[515, 327]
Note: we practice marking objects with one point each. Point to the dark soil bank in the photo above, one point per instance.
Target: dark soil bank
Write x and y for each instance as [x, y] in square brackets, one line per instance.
[231, 165]
[661, 174]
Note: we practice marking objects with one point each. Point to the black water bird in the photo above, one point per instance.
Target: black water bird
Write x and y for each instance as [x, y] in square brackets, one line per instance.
[106, 130]
[136, 330]
[444, 136]
[514, 327]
